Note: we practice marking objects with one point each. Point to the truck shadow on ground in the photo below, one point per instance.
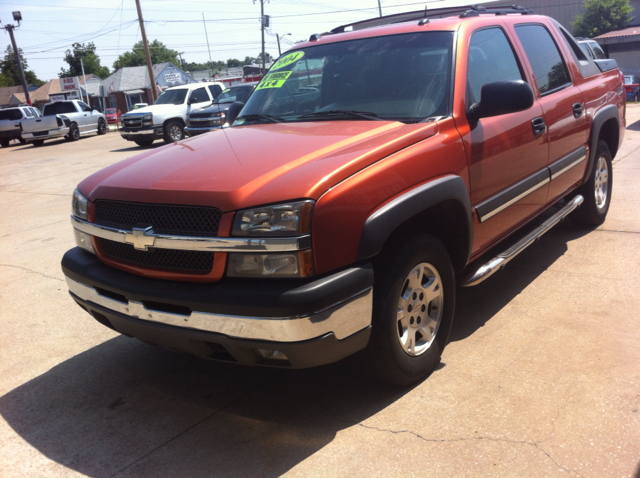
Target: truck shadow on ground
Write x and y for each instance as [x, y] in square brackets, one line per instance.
[634, 126]
[124, 408]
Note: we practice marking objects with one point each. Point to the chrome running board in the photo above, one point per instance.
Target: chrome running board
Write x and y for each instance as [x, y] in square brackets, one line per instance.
[501, 260]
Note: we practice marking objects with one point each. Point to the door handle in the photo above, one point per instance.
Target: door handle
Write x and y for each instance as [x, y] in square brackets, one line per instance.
[577, 110]
[538, 126]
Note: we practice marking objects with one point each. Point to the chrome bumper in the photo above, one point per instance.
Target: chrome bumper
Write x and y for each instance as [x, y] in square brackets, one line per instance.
[142, 132]
[342, 319]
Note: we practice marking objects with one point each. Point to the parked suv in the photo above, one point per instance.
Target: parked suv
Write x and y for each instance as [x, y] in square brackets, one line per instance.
[632, 87]
[213, 117]
[165, 119]
[342, 208]
[10, 119]
[69, 119]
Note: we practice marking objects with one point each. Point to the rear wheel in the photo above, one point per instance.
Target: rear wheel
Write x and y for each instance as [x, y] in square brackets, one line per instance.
[74, 133]
[597, 190]
[173, 131]
[414, 301]
[102, 126]
[39, 142]
[144, 143]
[4, 143]
[22, 140]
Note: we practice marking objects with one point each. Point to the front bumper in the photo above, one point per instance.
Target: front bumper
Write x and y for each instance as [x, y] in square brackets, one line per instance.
[309, 322]
[194, 131]
[145, 134]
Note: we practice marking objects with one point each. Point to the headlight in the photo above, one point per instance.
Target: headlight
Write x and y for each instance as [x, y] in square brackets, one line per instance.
[79, 205]
[278, 220]
[147, 120]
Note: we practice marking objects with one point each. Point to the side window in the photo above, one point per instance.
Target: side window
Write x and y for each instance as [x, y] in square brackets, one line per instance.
[215, 91]
[84, 106]
[198, 96]
[28, 112]
[597, 51]
[491, 59]
[544, 57]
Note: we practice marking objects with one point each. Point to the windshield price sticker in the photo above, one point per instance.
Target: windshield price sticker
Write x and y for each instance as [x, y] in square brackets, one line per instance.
[287, 60]
[274, 80]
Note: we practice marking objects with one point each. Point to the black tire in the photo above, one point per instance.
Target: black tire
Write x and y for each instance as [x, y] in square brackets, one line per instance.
[637, 97]
[22, 140]
[38, 142]
[102, 127]
[387, 354]
[4, 142]
[171, 129]
[74, 133]
[597, 190]
[144, 143]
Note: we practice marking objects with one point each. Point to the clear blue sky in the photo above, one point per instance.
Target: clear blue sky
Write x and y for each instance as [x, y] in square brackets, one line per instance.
[49, 27]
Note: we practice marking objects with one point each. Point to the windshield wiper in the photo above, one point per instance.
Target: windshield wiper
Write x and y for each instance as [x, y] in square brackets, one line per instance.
[360, 114]
[269, 118]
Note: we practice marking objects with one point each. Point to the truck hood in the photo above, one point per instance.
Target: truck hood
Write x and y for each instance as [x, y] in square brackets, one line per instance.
[234, 168]
[157, 110]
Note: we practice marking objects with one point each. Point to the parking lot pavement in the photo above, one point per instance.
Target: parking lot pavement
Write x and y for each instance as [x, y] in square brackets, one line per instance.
[542, 377]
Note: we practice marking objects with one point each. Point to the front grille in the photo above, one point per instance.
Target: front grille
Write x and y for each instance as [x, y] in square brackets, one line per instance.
[169, 219]
[170, 259]
[132, 123]
[201, 123]
[208, 114]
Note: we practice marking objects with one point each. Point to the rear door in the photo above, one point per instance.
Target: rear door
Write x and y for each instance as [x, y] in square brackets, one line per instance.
[562, 104]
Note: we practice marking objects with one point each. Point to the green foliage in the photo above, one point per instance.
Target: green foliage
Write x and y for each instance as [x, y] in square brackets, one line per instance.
[9, 72]
[602, 16]
[91, 62]
[159, 54]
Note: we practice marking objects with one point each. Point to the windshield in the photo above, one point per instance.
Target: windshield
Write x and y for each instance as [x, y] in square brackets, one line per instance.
[403, 77]
[10, 115]
[172, 97]
[111, 111]
[236, 93]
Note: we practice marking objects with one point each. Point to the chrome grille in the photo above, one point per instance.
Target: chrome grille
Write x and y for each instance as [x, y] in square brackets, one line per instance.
[132, 122]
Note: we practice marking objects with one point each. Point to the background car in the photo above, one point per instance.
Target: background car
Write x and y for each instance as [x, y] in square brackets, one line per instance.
[632, 87]
[10, 119]
[213, 117]
[113, 115]
[591, 48]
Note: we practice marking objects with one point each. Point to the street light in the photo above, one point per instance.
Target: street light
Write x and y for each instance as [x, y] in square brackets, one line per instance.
[278, 38]
[17, 16]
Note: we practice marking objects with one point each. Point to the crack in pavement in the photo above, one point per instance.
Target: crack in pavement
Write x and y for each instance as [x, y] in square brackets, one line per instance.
[31, 271]
[32, 228]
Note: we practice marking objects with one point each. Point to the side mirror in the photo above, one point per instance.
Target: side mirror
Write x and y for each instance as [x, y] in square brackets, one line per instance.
[501, 98]
[191, 101]
[234, 111]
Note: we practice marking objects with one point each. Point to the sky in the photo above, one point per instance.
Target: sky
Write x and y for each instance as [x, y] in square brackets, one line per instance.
[50, 27]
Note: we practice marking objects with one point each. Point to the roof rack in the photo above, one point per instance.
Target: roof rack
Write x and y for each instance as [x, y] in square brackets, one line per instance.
[420, 15]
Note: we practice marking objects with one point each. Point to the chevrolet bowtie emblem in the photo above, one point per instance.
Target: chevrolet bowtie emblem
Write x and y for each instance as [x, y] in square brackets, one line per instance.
[141, 238]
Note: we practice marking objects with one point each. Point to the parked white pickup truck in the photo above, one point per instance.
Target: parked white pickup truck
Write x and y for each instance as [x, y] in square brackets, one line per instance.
[69, 119]
[10, 119]
[165, 119]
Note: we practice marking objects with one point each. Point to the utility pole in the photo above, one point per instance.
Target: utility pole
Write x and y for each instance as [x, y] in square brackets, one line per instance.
[379, 8]
[17, 16]
[278, 38]
[147, 54]
[84, 80]
[207, 37]
[264, 21]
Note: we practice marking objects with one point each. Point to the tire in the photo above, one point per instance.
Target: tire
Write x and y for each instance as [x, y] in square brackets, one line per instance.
[22, 140]
[413, 306]
[597, 190]
[4, 143]
[144, 143]
[173, 131]
[637, 96]
[38, 142]
[74, 133]
[102, 127]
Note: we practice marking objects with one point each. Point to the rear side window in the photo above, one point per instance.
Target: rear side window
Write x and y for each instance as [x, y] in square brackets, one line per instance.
[28, 112]
[597, 51]
[10, 115]
[491, 59]
[544, 57]
[215, 90]
[199, 96]
[58, 109]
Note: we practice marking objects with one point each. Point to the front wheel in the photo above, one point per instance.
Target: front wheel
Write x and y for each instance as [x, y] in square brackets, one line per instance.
[74, 133]
[144, 143]
[414, 301]
[38, 142]
[173, 131]
[4, 143]
[597, 190]
[102, 127]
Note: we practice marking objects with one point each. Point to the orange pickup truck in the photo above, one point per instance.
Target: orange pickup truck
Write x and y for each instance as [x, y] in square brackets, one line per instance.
[375, 169]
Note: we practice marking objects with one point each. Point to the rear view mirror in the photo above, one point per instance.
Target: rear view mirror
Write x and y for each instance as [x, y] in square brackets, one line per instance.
[501, 98]
[234, 111]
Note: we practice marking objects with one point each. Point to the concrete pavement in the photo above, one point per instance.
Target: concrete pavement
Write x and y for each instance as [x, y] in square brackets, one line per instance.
[542, 377]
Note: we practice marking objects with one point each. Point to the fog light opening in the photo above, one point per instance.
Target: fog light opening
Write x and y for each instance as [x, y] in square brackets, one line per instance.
[272, 354]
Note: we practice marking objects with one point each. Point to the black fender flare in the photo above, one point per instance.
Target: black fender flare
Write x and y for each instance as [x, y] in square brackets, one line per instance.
[602, 116]
[381, 224]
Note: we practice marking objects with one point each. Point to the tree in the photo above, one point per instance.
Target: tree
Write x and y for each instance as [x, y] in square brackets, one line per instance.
[602, 16]
[232, 63]
[159, 54]
[267, 57]
[89, 58]
[9, 73]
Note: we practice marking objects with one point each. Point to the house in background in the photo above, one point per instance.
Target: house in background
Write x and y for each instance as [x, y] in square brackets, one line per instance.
[52, 91]
[131, 85]
[13, 95]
